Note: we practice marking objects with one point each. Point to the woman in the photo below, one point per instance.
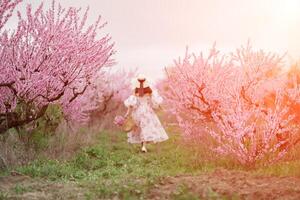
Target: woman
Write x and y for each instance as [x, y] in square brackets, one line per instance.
[140, 106]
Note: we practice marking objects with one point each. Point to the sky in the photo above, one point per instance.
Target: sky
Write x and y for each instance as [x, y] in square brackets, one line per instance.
[150, 34]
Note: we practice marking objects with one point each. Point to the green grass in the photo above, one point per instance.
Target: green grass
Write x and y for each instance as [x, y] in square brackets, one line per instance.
[115, 168]
[291, 168]
[20, 189]
[184, 193]
[4, 173]
[3, 195]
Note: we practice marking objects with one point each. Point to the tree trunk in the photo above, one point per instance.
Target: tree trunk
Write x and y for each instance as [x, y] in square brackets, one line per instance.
[15, 121]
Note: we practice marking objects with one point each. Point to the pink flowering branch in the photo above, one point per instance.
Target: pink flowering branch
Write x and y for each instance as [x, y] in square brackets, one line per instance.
[6, 9]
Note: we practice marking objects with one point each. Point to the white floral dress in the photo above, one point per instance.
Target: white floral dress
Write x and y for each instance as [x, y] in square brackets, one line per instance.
[149, 127]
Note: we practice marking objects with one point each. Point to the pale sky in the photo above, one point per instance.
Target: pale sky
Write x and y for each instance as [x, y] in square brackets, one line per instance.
[150, 34]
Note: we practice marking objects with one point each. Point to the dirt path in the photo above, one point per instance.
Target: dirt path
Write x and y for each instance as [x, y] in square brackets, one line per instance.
[230, 184]
[26, 188]
[217, 185]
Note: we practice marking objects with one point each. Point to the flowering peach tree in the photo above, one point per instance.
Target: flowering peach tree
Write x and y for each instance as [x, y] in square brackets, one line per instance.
[53, 56]
[102, 98]
[236, 104]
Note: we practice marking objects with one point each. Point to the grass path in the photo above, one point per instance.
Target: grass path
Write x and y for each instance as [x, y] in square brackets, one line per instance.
[112, 169]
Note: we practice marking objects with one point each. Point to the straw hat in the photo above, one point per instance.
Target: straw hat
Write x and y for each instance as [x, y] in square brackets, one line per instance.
[136, 84]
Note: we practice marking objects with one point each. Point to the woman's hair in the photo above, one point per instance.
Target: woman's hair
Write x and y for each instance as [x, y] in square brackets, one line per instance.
[143, 91]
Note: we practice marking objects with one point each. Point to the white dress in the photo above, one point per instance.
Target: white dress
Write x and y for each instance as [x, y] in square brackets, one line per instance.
[149, 127]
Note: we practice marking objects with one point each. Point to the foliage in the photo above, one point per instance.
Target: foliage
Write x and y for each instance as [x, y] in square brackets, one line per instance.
[236, 104]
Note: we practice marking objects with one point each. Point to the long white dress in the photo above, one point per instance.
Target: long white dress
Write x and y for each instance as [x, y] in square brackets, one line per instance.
[149, 127]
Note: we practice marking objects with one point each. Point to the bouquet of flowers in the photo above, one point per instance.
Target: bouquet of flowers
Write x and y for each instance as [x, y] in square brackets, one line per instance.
[119, 120]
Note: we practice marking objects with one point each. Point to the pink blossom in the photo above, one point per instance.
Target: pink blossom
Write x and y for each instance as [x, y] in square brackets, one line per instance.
[119, 120]
[6, 9]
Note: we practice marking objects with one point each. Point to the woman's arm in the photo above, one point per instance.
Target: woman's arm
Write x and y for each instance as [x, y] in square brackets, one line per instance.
[156, 100]
[130, 102]
[128, 111]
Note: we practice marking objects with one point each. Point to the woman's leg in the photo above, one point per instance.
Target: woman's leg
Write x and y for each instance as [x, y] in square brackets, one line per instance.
[144, 147]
